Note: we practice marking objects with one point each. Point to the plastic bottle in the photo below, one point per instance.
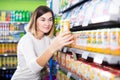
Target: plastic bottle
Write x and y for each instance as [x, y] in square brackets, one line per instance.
[106, 41]
[20, 16]
[23, 16]
[16, 15]
[114, 41]
[27, 16]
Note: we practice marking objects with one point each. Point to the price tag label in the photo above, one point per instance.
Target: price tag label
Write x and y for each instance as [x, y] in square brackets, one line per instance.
[5, 54]
[98, 59]
[65, 49]
[4, 68]
[85, 54]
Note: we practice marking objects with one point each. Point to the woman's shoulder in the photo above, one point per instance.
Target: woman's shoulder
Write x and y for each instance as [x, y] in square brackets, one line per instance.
[26, 37]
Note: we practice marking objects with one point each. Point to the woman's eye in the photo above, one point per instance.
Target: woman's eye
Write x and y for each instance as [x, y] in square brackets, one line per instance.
[42, 20]
[50, 19]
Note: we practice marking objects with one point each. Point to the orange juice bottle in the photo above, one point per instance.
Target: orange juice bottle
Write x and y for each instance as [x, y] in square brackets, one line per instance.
[106, 41]
[3, 48]
[74, 44]
[85, 36]
[81, 40]
[98, 41]
[0, 47]
[89, 43]
[66, 25]
[115, 41]
[93, 40]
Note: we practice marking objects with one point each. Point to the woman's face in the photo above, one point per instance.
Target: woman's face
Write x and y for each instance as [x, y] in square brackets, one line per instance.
[45, 23]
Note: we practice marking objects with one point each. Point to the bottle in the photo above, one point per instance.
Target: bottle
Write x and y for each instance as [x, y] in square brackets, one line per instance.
[23, 15]
[16, 15]
[27, 16]
[20, 16]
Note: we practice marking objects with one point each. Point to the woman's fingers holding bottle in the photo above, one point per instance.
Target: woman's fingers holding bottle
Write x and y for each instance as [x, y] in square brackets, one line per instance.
[65, 39]
[62, 40]
[65, 33]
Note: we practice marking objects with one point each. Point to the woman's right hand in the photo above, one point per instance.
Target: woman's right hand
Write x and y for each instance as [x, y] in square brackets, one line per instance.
[62, 40]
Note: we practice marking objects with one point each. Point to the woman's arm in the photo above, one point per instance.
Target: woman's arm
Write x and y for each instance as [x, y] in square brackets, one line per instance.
[58, 42]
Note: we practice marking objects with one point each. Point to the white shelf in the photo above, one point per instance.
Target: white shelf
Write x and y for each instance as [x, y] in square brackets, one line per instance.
[97, 57]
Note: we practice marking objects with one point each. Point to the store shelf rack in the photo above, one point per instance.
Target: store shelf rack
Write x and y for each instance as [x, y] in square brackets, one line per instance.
[97, 57]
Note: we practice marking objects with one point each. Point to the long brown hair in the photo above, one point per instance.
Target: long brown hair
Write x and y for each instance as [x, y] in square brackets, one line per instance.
[32, 27]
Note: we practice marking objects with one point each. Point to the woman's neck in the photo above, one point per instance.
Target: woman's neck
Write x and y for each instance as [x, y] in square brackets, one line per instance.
[39, 35]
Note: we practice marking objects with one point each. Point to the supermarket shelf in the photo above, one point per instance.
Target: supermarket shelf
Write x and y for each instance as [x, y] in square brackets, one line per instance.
[73, 6]
[13, 22]
[9, 40]
[102, 25]
[97, 57]
[5, 68]
[8, 54]
[14, 31]
[69, 74]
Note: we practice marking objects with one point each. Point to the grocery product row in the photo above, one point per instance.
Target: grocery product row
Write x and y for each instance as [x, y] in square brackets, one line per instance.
[86, 69]
[11, 31]
[87, 13]
[104, 41]
[62, 75]
[8, 47]
[12, 26]
[6, 74]
[17, 15]
[8, 62]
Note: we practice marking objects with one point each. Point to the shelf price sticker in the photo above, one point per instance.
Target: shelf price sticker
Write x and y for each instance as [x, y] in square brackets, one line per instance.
[65, 49]
[85, 54]
[99, 59]
[3, 68]
[5, 54]
[69, 74]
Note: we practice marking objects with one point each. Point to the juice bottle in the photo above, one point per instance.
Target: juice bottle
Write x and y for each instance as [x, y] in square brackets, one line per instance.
[88, 46]
[106, 41]
[79, 40]
[0, 47]
[114, 41]
[76, 40]
[99, 41]
[66, 25]
[3, 49]
[93, 41]
[84, 36]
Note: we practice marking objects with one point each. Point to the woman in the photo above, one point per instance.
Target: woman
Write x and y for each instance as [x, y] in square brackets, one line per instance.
[35, 48]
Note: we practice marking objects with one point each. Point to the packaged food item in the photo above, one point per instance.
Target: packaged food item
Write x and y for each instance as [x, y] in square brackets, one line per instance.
[63, 59]
[68, 60]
